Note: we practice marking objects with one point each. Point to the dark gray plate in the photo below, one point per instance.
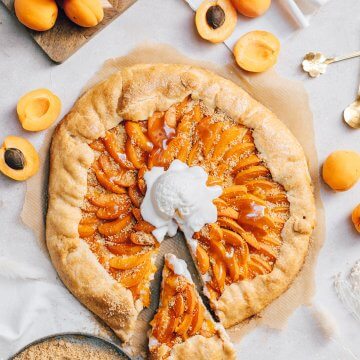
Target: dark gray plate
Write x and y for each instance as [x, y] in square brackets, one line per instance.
[82, 338]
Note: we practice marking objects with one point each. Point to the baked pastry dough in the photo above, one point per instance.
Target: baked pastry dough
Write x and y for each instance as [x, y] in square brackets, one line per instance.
[148, 115]
[182, 327]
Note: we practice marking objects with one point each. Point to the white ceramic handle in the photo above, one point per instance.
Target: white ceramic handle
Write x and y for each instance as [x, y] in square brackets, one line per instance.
[296, 13]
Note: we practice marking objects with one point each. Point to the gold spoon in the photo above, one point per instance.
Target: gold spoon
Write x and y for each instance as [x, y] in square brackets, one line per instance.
[315, 63]
[352, 113]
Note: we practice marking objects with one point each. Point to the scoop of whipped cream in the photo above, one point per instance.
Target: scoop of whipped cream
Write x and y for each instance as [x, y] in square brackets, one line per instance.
[178, 197]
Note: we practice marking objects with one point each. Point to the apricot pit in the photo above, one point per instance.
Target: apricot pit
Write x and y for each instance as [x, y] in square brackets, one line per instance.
[215, 20]
[18, 158]
[38, 109]
[257, 51]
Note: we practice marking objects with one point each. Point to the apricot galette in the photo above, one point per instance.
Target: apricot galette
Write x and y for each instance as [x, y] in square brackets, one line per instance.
[208, 160]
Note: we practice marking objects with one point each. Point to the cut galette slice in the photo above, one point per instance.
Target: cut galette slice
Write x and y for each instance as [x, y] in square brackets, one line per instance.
[182, 327]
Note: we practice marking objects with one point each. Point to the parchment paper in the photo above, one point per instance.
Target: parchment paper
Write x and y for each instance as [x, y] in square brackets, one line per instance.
[289, 101]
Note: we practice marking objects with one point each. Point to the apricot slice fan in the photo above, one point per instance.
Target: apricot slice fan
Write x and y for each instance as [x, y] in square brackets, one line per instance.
[252, 210]
[181, 314]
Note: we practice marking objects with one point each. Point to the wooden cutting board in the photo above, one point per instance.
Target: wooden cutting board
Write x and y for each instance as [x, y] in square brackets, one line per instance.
[65, 38]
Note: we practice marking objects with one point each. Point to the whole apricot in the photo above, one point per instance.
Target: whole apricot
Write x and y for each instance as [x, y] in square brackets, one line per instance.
[38, 109]
[85, 13]
[215, 20]
[252, 8]
[341, 170]
[355, 217]
[37, 15]
[18, 158]
[257, 51]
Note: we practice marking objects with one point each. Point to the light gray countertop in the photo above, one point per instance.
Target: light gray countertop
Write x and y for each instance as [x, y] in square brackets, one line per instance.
[23, 67]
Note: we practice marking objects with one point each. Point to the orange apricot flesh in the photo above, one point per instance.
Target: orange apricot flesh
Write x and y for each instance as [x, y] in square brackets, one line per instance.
[341, 170]
[18, 158]
[38, 109]
[252, 8]
[215, 20]
[257, 51]
[355, 217]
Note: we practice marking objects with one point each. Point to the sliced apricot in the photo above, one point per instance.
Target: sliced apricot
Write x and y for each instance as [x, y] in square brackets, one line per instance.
[114, 227]
[18, 158]
[202, 259]
[157, 131]
[257, 51]
[165, 324]
[130, 278]
[97, 145]
[135, 195]
[227, 137]
[234, 268]
[113, 148]
[86, 230]
[108, 200]
[228, 212]
[233, 191]
[111, 212]
[258, 265]
[106, 182]
[251, 8]
[185, 324]
[234, 226]
[251, 173]
[198, 319]
[239, 150]
[142, 238]
[209, 134]
[134, 154]
[129, 261]
[184, 151]
[219, 274]
[124, 249]
[135, 132]
[243, 163]
[120, 238]
[193, 154]
[144, 226]
[179, 305]
[215, 20]
[38, 109]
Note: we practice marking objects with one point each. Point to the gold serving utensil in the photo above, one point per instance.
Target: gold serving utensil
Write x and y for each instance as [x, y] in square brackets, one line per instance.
[316, 63]
[352, 113]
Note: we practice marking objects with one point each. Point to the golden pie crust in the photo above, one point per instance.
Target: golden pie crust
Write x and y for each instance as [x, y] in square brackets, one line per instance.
[134, 94]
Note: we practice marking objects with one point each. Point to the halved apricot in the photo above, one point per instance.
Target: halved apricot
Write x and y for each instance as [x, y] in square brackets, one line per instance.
[257, 51]
[215, 20]
[252, 8]
[355, 217]
[38, 109]
[18, 158]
